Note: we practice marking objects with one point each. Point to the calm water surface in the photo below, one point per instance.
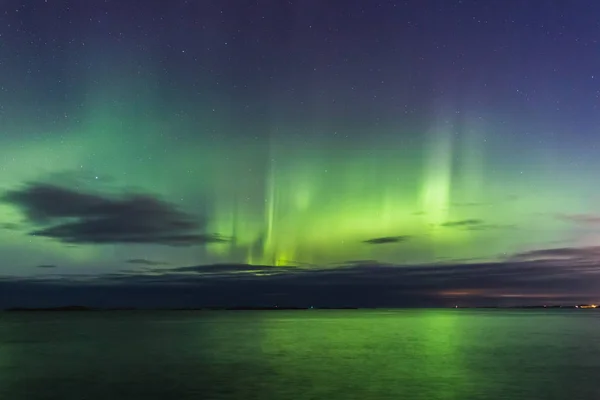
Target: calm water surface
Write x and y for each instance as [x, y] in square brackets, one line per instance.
[430, 354]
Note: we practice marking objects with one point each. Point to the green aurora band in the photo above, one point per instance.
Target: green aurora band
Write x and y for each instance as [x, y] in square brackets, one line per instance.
[291, 193]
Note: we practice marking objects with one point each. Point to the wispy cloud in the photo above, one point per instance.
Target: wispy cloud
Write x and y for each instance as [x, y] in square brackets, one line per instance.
[143, 261]
[575, 255]
[475, 225]
[10, 226]
[471, 204]
[584, 219]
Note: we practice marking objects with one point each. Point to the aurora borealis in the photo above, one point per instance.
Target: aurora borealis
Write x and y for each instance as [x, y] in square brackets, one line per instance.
[297, 134]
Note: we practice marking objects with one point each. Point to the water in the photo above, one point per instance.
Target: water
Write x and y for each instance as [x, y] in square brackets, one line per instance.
[420, 354]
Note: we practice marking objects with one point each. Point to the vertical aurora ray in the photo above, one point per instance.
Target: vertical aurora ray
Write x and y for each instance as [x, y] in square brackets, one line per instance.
[472, 165]
[309, 208]
[437, 178]
[313, 210]
[269, 253]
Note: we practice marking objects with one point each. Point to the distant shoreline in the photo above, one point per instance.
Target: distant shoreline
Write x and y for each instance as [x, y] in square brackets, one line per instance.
[276, 308]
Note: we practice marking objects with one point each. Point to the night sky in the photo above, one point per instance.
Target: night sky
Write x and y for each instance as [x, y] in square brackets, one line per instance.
[220, 152]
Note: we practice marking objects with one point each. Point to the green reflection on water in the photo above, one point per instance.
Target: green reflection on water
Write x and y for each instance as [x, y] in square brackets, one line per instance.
[367, 355]
[320, 354]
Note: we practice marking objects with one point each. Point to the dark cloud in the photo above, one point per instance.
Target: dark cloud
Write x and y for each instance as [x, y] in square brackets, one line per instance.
[561, 275]
[76, 217]
[463, 223]
[239, 270]
[143, 261]
[46, 266]
[387, 239]
[361, 285]
[553, 275]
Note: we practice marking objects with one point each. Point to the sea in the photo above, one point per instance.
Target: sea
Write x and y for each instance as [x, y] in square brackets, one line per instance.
[302, 354]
